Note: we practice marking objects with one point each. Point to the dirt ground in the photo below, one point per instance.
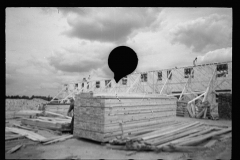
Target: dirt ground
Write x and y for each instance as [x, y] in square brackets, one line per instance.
[86, 149]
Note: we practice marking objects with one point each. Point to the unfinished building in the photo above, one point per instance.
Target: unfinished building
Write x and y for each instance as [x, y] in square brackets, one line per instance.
[143, 99]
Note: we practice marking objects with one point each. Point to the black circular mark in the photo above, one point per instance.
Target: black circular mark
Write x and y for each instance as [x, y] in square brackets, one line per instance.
[122, 61]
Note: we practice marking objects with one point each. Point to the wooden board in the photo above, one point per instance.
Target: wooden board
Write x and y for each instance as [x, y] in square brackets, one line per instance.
[46, 124]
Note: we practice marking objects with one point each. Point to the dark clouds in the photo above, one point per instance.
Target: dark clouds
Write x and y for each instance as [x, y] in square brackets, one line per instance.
[205, 34]
[108, 24]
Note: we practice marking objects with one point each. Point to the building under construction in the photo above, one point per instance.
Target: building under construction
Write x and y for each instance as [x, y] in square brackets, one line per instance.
[185, 83]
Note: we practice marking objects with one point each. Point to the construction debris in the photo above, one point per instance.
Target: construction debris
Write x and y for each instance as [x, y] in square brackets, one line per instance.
[14, 137]
[193, 111]
[60, 138]
[186, 137]
[14, 149]
[29, 134]
[62, 125]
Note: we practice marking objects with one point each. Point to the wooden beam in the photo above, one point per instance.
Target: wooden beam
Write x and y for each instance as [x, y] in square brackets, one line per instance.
[31, 135]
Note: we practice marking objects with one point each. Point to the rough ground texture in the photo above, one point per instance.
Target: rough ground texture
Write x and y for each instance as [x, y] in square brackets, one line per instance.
[86, 149]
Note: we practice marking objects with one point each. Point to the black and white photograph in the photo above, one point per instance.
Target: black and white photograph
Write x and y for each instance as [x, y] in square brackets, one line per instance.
[118, 83]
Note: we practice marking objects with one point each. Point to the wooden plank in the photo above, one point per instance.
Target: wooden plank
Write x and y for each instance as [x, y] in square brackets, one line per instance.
[106, 111]
[17, 125]
[164, 133]
[163, 130]
[46, 124]
[31, 135]
[62, 138]
[210, 143]
[123, 118]
[172, 137]
[100, 120]
[178, 141]
[14, 149]
[15, 137]
[54, 119]
[195, 141]
[155, 127]
[56, 114]
[136, 128]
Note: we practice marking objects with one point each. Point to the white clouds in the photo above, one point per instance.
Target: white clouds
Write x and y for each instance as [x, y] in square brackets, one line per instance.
[81, 58]
[205, 33]
[52, 85]
[39, 55]
[109, 24]
[219, 55]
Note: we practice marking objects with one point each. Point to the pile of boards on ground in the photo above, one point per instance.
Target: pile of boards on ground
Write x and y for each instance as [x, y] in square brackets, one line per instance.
[47, 120]
[175, 136]
[103, 117]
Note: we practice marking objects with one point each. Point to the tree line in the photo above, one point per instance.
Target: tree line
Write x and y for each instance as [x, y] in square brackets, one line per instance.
[48, 98]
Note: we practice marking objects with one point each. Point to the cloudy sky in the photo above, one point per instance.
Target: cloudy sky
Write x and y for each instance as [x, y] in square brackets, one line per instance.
[46, 47]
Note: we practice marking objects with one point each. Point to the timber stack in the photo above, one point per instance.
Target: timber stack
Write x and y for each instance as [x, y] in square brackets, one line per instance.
[101, 118]
[183, 136]
[225, 106]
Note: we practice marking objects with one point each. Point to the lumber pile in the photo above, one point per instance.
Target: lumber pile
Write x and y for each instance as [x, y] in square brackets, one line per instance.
[183, 137]
[35, 113]
[225, 106]
[60, 109]
[101, 118]
[48, 123]
[192, 110]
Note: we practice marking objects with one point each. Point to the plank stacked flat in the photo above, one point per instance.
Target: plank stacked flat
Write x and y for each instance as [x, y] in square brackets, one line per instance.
[100, 117]
[61, 109]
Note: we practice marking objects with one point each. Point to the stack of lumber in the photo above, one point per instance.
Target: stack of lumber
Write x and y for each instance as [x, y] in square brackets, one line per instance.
[184, 111]
[225, 106]
[186, 136]
[34, 113]
[101, 118]
[61, 109]
[48, 123]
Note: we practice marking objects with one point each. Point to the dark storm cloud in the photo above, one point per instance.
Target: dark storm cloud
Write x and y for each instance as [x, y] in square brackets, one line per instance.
[205, 34]
[109, 24]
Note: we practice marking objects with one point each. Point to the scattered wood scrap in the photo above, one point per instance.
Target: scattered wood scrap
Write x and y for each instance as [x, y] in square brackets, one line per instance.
[14, 149]
[23, 127]
[48, 123]
[60, 138]
[194, 111]
[186, 137]
[29, 134]
[14, 137]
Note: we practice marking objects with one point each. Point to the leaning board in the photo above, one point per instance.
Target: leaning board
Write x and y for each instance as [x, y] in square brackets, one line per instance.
[101, 118]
